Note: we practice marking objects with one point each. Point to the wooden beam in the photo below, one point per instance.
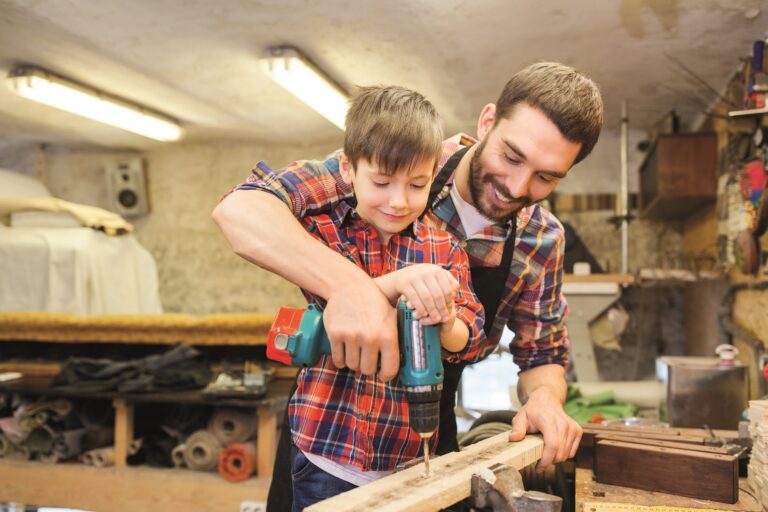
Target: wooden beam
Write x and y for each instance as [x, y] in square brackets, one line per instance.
[448, 482]
[123, 431]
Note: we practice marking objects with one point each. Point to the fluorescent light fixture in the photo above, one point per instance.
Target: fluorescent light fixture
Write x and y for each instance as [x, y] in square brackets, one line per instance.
[45, 87]
[289, 68]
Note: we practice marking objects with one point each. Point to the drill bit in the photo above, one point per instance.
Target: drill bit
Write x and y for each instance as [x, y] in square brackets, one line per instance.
[426, 457]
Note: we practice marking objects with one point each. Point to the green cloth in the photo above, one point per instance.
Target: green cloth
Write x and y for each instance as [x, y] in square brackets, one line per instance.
[583, 408]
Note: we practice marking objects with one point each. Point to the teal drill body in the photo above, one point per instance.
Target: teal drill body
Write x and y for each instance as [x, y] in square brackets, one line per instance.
[421, 366]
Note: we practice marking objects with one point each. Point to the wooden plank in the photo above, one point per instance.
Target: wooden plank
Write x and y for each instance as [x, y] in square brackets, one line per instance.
[448, 483]
[585, 454]
[123, 431]
[665, 444]
[36, 368]
[127, 489]
[266, 440]
[625, 499]
[167, 328]
[699, 475]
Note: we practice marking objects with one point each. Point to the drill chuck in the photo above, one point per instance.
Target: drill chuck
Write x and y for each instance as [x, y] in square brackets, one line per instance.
[424, 408]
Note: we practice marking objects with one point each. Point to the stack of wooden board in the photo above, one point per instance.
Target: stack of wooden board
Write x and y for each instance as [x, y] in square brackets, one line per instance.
[757, 472]
[661, 460]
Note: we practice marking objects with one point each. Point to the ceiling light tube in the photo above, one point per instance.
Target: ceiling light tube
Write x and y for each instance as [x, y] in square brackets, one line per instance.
[289, 68]
[45, 87]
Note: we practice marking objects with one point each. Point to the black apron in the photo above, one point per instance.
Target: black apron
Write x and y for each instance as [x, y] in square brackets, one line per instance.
[488, 283]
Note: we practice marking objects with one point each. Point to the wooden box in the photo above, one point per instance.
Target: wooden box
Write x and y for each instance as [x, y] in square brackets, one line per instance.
[679, 175]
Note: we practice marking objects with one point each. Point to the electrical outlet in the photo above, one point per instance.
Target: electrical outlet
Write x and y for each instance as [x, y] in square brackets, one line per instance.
[253, 506]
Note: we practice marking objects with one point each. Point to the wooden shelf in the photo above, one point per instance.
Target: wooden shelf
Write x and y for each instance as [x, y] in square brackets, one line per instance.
[127, 488]
[599, 278]
[219, 330]
[748, 112]
[678, 175]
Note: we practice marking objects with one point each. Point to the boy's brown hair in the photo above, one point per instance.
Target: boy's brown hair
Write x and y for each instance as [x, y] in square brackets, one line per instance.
[567, 97]
[392, 127]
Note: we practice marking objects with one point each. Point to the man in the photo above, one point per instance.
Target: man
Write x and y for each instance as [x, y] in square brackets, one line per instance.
[547, 118]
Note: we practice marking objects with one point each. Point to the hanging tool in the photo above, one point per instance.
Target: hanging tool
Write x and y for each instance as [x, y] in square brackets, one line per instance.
[297, 338]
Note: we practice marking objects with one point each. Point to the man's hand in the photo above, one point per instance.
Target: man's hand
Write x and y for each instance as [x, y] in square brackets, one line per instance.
[543, 391]
[361, 324]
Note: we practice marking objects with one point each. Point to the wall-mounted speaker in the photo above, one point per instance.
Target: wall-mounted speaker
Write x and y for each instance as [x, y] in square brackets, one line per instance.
[127, 187]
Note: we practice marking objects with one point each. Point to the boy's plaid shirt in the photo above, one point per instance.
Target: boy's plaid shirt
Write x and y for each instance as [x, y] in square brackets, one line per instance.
[351, 418]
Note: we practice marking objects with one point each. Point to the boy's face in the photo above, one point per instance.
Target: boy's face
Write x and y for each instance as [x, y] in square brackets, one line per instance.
[389, 203]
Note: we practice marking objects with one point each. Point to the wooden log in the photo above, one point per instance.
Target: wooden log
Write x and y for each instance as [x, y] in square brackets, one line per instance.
[448, 482]
[689, 473]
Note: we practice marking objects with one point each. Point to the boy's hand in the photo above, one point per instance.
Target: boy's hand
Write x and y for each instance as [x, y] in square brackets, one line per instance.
[447, 325]
[429, 291]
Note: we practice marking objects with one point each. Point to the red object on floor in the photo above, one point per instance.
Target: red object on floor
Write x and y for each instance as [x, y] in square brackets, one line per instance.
[237, 462]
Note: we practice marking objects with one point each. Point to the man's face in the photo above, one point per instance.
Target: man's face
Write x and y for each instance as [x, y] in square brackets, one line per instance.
[389, 203]
[519, 161]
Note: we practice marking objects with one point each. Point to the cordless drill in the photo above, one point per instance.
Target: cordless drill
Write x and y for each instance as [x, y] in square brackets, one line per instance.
[297, 338]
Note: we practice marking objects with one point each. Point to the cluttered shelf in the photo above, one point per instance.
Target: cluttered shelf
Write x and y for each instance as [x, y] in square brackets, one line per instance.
[275, 396]
[139, 487]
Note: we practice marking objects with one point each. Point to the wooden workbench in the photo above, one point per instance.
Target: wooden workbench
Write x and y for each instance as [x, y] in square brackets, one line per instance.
[592, 496]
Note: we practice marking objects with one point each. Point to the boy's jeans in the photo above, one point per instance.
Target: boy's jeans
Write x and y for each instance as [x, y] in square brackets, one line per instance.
[311, 484]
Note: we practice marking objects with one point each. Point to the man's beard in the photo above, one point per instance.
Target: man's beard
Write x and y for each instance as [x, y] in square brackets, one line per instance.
[486, 208]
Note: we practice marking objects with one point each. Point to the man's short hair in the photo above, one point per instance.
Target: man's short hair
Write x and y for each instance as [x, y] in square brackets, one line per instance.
[392, 127]
[567, 97]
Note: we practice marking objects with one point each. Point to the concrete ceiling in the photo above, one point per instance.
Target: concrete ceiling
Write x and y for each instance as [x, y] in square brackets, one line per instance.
[197, 59]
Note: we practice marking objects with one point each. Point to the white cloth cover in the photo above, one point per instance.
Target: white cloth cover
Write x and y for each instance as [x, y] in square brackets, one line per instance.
[76, 270]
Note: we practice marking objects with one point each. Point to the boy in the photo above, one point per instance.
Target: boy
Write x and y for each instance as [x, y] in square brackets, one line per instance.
[349, 429]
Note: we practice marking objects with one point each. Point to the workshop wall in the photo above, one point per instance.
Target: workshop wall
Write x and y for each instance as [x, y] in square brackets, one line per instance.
[600, 172]
[19, 156]
[701, 230]
[199, 274]
[652, 243]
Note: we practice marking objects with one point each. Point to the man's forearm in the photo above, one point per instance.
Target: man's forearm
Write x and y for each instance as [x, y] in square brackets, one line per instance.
[548, 378]
[261, 229]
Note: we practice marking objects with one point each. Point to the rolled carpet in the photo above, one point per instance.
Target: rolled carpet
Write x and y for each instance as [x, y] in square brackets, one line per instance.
[202, 453]
[6, 447]
[237, 462]
[232, 426]
[100, 457]
[177, 456]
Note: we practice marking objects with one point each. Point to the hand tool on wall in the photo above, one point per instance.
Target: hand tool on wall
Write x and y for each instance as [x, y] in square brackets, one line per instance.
[297, 337]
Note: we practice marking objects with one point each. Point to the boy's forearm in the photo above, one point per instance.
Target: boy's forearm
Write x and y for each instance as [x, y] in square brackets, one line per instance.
[455, 338]
[261, 229]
